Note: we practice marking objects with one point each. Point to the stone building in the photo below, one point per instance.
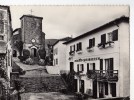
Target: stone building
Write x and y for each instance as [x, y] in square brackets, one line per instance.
[31, 34]
[5, 50]
[101, 61]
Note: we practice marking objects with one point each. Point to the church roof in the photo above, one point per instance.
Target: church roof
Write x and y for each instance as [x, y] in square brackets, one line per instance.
[32, 16]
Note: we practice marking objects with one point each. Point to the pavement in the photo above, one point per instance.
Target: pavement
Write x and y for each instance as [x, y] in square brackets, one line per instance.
[46, 96]
[27, 67]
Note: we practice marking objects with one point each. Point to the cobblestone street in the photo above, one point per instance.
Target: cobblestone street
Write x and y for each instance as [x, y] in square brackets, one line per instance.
[46, 96]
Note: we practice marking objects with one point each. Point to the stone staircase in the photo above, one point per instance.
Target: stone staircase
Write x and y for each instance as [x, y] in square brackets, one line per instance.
[43, 84]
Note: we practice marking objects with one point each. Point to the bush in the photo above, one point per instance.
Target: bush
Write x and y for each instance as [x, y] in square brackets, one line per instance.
[79, 96]
[64, 91]
[22, 58]
[29, 61]
[41, 62]
[26, 53]
[42, 53]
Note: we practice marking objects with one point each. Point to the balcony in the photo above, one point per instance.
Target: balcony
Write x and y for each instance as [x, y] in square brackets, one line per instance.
[106, 45]
[71, 53]
[90, 49]
[79, 51]
[103, 75]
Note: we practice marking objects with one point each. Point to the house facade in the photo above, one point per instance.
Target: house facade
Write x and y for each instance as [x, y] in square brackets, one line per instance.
[100, 59]
[59, 54]
[5, 50]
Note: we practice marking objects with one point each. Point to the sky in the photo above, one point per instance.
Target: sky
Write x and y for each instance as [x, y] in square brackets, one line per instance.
[62, 21]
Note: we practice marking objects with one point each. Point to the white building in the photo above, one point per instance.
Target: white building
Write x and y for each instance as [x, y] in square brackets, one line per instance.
[101, 56]
[59, 54]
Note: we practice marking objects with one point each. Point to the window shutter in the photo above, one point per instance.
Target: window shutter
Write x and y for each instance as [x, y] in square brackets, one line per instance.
[111, 64]
[80, 46]
[77, 67]
[77, 47]
[90, 43]
[93, 42]
[87, 67]
[82, 67]
[103, 38]
[115, 35]
[70, 48]
[93, 66]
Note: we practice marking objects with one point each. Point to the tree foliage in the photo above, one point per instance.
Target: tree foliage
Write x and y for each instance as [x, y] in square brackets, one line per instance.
[19, 46]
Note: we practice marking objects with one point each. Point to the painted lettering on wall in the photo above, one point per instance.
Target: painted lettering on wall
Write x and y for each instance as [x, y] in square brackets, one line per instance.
[87, 59]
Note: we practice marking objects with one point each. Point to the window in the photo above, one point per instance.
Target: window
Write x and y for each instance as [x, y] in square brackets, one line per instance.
[57, 61]
[103, 39]
[109, 64]
[54, 62]
[1, 15]
[72, 48]
[92, 66]
[91, 42]
[1, 27]
[1, 37]
[79, 46]
[113, 36]
[80, 67]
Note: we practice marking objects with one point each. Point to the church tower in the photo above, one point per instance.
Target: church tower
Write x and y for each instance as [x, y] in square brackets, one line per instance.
[31, 33]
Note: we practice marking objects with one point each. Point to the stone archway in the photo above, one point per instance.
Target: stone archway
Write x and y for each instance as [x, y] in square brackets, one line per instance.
[33, 52]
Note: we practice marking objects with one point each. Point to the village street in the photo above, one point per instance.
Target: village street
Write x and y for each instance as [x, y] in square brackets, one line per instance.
[46, 96]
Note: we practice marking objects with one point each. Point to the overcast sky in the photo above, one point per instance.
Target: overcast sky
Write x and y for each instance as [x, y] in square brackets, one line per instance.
[62, 21]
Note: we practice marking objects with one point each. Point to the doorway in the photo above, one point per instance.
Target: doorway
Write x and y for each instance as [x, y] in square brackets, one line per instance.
[34, 52]
[113, 89]
[71, 66]
[94, 89]
[82, 86]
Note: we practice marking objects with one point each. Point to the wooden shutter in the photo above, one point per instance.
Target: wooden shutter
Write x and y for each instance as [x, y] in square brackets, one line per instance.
[74, 47]
[111, 64]
[103, 38]
[77, 46]
[90, 43]
[82, 65]
[80, 46]
[77, 67]
[87, 67]
[115, 35]
[93, 66]
[93, 42]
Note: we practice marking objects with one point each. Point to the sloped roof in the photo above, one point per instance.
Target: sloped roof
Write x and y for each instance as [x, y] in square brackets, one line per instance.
[114, 22]
[63, 39]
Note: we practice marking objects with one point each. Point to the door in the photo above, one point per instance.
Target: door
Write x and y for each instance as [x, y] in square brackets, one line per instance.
[94, 89]
[101, 66]
[71, 66]
[75, 85]
[82, 86]
[33, 52]
[106, 88]
[113, 89]
[101, 95]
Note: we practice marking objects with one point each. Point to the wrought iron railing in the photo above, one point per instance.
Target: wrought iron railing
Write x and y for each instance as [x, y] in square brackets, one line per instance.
[103, 75]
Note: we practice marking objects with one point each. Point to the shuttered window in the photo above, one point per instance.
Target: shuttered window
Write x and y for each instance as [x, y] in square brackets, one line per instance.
[91, 42]
[103, 38]
[79, 46]
[115, 35]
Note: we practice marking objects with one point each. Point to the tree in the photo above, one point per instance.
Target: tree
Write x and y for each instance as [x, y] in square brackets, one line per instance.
[42, 53]
[19, 46]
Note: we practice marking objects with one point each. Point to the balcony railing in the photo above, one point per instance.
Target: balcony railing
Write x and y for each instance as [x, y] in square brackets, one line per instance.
[103, 75]
[71, 53]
